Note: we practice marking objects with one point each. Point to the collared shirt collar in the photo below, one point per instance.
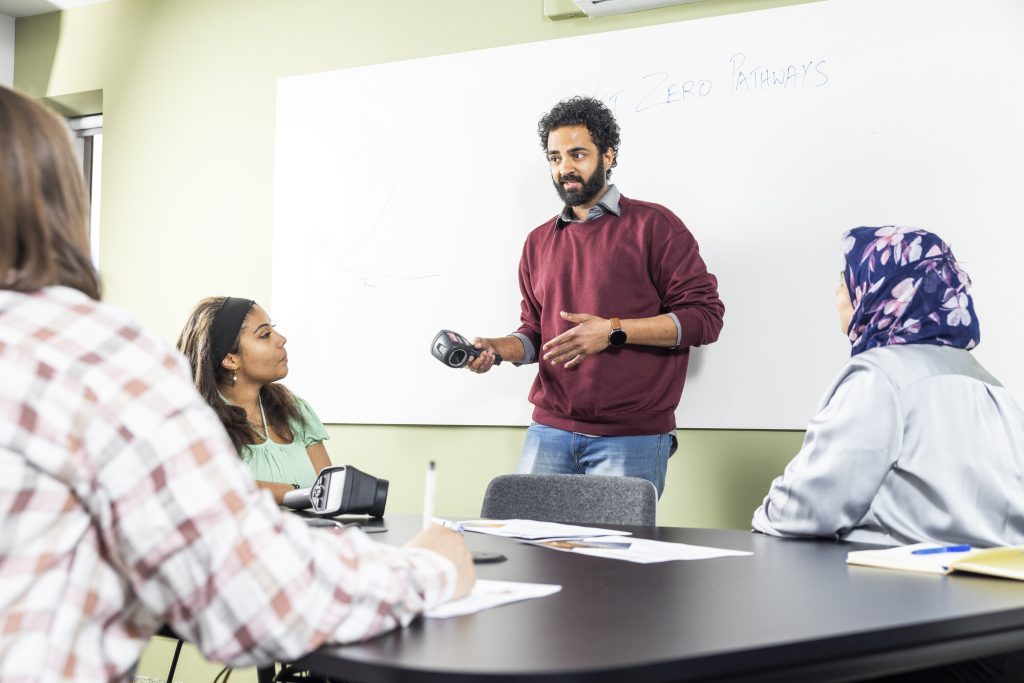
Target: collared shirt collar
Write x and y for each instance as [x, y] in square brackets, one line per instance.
[609, 203]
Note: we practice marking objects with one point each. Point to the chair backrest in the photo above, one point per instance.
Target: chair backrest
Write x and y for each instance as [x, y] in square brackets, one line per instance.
[571, 499]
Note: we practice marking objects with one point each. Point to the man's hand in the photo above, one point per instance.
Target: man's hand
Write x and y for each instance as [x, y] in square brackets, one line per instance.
[452, 547]
[510, 348]
[588, 338]
[485, 360]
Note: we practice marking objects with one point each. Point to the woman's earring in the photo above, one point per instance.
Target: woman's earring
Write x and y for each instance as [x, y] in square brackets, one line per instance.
[234, 377]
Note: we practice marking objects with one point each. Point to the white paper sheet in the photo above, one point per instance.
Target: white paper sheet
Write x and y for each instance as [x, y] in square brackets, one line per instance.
[487, 594]
[640, 550]
[530, 530]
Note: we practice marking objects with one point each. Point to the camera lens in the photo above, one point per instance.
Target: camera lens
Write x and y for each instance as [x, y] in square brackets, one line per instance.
[380, 498]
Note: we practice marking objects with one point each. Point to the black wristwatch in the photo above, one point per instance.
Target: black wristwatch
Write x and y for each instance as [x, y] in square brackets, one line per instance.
[617, 337]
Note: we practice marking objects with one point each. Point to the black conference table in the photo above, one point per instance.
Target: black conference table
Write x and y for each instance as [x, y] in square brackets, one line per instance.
[791, 612]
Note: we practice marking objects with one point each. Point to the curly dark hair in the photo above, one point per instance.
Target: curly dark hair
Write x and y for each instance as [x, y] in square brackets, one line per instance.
[590, 113]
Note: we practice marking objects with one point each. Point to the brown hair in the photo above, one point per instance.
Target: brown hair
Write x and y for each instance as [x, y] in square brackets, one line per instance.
[44, 214]
[279, 403]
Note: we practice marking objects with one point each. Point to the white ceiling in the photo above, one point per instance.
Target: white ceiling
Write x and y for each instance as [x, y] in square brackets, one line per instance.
[26, 8]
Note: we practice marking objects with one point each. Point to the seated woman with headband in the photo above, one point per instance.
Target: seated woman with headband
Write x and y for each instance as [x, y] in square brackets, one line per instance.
[237, 359]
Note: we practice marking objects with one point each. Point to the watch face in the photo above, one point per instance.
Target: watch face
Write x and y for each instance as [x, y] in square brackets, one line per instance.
[617, 338]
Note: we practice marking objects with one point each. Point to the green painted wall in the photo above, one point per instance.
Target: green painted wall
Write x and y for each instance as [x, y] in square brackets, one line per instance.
[188, 93]
[188, 96]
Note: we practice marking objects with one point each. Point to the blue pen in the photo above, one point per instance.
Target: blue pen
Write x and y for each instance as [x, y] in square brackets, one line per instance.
[942, 549]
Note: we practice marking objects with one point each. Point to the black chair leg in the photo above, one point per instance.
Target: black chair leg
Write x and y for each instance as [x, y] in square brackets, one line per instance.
[265, 674]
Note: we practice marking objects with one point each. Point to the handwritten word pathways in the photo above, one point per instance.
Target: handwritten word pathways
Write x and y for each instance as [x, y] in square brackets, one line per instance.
[660, 89]
[808, 74]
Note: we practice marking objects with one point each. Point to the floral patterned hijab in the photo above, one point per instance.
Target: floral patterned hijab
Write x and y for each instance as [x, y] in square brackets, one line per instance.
[906, 288]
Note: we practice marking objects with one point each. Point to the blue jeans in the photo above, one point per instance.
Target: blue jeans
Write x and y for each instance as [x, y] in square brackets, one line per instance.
[554, 451]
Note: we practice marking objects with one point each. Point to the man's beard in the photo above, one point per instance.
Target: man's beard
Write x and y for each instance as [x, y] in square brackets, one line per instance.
[588, 189]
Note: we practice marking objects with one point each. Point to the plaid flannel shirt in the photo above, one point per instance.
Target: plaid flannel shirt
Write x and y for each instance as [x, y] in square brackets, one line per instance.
[123, 506]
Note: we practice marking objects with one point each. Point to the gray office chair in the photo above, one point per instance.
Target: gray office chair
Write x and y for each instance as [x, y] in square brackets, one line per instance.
[571, 499]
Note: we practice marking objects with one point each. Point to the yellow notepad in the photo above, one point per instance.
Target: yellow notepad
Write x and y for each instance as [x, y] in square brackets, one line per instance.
[1005, 562]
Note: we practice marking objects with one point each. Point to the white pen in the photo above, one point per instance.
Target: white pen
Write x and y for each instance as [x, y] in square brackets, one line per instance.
[428, 496]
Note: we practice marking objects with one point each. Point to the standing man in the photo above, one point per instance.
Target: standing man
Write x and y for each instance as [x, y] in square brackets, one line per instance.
[614, 295]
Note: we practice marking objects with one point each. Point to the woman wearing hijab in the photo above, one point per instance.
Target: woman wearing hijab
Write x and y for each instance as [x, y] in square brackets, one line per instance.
[238, 360]
[915, 440]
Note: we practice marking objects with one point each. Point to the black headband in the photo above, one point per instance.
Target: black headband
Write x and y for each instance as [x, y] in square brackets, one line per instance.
[226, 325]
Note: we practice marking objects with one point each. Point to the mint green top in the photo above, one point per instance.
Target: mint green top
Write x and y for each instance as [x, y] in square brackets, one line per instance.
[287, 463]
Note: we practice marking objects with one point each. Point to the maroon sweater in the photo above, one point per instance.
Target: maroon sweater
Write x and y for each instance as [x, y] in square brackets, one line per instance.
[638, 265]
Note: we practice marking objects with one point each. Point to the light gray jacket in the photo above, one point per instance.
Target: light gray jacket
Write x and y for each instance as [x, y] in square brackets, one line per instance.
[910, 443]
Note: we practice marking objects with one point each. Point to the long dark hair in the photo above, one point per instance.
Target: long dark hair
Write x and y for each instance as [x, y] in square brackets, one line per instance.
[44, 212]
[279, 403]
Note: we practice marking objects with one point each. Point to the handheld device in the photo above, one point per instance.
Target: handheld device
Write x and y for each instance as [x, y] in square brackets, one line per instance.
[454, 350]
[341, 490]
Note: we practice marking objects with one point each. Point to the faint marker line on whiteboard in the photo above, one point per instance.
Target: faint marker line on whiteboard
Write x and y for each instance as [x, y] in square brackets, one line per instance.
[373, 228]
[388, 275]
[365, 274]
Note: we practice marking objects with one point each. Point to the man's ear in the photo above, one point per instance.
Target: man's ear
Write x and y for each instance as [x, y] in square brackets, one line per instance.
[609, 158]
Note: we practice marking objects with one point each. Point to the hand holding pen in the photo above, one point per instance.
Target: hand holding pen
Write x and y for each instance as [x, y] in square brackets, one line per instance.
[446, 543]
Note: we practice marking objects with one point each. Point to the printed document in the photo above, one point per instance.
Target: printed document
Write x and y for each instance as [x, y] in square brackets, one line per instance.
[639, 550]
[531, 530]
[487, 594]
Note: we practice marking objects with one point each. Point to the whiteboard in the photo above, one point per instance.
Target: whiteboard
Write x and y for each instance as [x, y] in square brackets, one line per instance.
[404, 192]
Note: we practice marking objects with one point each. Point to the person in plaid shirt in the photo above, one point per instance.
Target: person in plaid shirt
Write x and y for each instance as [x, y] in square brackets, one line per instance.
[123, 504]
